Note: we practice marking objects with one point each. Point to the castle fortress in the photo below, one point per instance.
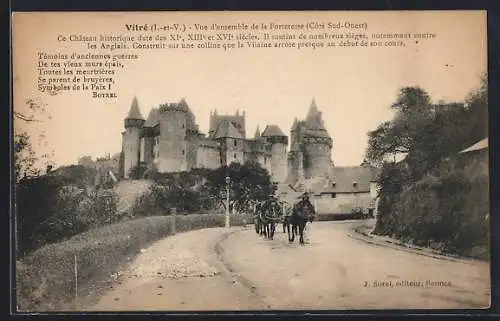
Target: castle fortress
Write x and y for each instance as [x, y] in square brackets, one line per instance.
[169, 140]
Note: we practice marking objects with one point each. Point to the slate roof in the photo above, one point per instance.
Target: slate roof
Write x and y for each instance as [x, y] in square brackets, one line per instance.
[153, 117]
[314, 122]
[154, 114]
[134, 112]
[237, 120]
[226, 129]
[272, 130]
[482, 144]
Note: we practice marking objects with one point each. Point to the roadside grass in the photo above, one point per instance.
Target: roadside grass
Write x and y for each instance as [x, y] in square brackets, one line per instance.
[45, 279]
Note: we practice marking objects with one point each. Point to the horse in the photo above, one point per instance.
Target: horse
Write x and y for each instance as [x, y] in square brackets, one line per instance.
[302, 212]
[269, 213]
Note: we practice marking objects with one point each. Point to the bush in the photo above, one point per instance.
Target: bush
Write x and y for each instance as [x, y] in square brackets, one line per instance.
[45, 278]
[35, 203]
[137, 172]
[160, 199]
[447, 213]
[49, 209]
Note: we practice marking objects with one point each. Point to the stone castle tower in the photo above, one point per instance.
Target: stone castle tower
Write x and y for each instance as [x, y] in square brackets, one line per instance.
[170, 141]
[131, 137]
[310, 149]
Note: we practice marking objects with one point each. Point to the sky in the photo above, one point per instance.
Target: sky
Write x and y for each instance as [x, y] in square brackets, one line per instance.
[352, 87]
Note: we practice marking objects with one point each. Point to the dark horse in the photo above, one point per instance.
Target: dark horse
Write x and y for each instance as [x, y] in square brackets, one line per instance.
[302, 212]
[268, 213]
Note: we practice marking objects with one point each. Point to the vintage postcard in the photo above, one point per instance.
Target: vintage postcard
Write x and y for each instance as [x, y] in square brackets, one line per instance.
[249, 161]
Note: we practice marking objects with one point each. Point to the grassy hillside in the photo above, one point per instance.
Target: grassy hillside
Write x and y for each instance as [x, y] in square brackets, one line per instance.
[45, 278]
[447, 210]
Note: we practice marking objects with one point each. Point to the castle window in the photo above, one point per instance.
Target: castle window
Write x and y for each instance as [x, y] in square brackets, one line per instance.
[235, 143]
[182, 126]
[234, 156]
[333, 195]
[183, 152]
[354, 184]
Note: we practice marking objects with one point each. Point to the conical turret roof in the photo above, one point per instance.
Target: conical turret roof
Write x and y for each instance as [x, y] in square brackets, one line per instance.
[313, 109]
[153, 118]
[257, 132]
[295, 124]
[183, 105]
[134, 112]
[314, 119]
[314, 122]
[272, 130]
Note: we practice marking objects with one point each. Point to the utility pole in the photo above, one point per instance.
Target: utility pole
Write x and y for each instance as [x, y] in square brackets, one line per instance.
[228, 181]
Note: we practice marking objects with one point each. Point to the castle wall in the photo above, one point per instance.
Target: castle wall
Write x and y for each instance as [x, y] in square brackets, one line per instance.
[318, 160]
[131, 149]
[291, 175]
[142, 150]
[156, 151]
[267, 163]
[295, 170]
[208, 157]
[261, 159]
[173, 144]
[192, 151]
[147, 151]
[234, 151]
[278, 163]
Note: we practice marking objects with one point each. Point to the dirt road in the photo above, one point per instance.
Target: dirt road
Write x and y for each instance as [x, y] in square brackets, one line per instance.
[218, 269]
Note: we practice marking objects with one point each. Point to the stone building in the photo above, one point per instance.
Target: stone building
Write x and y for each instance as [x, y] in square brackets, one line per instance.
[310, 148]
[342, 191]
[333, 189]
[169, 140]
[106, 167]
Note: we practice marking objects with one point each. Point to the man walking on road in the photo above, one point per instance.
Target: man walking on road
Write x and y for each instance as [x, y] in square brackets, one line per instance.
[307, 227]
[307, 233]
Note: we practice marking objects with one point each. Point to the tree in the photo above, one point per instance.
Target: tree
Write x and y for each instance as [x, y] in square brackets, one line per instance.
[137, 172]
[421, 200]
[29, 140]
[78, 175]
[413, 112]
[249, 183]
[477, 107]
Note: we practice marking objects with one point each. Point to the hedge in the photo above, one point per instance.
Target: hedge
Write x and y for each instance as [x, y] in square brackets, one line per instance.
[449, 213]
